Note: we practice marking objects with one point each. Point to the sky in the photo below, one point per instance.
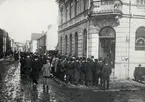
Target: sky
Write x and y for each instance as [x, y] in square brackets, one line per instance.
[20, 18]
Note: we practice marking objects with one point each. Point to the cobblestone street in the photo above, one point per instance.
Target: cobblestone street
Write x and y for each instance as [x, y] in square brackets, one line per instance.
[15, 89]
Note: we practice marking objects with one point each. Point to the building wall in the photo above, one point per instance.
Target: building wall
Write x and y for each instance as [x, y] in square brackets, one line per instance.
[33, 46]
[77, 29]
[52, 37]
[126, 57]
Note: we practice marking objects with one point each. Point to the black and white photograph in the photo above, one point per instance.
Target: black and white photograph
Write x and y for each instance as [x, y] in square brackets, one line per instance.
[72, 50]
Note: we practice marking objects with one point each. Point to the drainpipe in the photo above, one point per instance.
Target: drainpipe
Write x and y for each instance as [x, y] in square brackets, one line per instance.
[130, 15]
[88, 27]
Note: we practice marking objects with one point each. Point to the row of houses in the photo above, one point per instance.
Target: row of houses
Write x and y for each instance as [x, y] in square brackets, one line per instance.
[7, 44]
[42, 42]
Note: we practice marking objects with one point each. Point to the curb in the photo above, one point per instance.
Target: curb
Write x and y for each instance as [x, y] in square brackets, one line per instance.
[119, 90]
[97, 90]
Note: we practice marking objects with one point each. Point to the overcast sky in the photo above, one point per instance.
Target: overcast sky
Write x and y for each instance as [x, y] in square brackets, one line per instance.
[20, 18]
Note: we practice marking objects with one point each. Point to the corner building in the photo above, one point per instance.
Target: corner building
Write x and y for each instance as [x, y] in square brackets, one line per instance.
[97, 27]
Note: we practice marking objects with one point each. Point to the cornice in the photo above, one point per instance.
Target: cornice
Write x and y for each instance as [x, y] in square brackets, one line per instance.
[72, 26]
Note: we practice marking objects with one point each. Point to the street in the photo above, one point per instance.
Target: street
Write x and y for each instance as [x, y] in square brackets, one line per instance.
[15, 89]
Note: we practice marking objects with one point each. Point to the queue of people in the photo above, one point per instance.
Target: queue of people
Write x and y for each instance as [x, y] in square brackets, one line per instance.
[84, 71]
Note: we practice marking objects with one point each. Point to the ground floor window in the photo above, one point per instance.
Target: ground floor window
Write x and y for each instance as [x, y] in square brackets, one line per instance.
[140, 39]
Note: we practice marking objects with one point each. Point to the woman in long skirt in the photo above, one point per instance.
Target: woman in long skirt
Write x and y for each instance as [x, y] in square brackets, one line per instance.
[46, 75]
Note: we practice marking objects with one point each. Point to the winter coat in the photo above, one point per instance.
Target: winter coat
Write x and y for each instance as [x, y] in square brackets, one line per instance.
[76, 69]
[56, 65]
[28, 63]
[35, 69]
[89, 71]
[69, 70]
[46, 70]
[106, 71]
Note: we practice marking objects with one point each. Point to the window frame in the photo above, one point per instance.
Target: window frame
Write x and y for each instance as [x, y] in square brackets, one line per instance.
[139, 37]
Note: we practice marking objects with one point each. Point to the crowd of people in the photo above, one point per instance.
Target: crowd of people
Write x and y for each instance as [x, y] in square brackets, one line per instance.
[72, 70]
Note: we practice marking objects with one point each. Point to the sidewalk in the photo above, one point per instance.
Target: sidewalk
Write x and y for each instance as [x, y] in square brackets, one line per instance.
[115, 85]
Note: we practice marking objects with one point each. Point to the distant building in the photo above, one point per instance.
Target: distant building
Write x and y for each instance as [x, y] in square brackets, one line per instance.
[52, 37]
[41, 43]
[33, 42]
[27, 46]
[33, 46]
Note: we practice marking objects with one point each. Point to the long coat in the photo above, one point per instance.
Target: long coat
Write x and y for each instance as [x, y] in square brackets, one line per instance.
[46, 70]
[35, 69]
[89, 71]
[106, 71]
[76, 68]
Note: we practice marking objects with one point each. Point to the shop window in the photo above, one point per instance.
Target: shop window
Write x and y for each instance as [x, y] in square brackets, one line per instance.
[140, 39]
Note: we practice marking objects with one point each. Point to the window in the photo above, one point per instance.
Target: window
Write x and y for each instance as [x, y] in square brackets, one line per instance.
[62, 14]
[76, 7]
[141, 2]
[67, 13]
[65, 44]
[86, 4]
[71, 9]
[70, 44]
[76, 44]
[140, 39]
[85, 43]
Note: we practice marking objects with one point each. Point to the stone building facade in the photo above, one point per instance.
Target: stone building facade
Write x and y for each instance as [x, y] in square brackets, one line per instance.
[99, 27]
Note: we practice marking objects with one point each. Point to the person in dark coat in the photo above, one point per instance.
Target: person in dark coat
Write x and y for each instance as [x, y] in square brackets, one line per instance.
[35, 70]
[89, 72]
[106, 71]
[77, 71]
[97, 72]
[28, 65]
[81, 71]
[23, 63]
[84, 70]
[100, 67]
[69, 71]
[63, 64]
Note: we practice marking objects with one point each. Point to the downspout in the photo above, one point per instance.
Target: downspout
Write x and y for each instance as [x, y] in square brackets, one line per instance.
[130, 15]
[88, 27]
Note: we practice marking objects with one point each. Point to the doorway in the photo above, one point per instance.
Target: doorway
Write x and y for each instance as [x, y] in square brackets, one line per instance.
[107, 42]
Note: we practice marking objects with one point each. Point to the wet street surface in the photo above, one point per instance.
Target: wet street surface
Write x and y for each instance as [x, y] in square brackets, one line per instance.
[13, 88]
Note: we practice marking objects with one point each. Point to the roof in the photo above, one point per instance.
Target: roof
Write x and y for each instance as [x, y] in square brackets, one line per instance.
[35, 36]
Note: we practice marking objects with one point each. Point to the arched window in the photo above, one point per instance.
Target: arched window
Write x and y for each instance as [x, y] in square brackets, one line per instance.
[66, 44]
[85, 43]
[61, 45]
[140, 39]
[76, 44]
[70, 37]
[107, 32]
